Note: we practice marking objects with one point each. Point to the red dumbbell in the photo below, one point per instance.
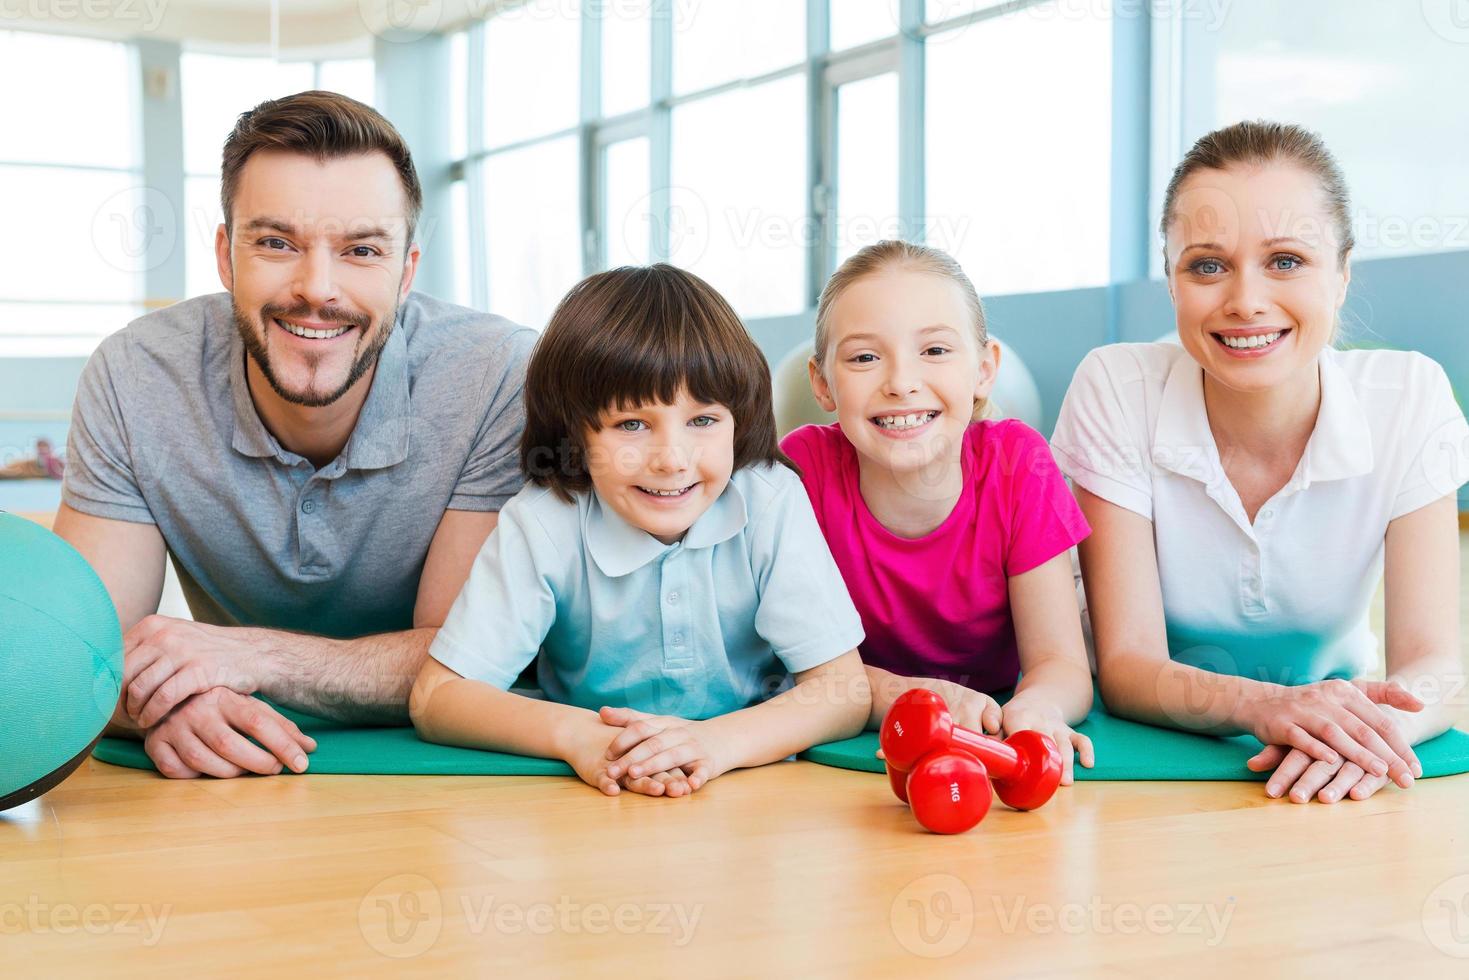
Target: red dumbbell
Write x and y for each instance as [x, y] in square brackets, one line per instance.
[1025, 768]
[949, 791]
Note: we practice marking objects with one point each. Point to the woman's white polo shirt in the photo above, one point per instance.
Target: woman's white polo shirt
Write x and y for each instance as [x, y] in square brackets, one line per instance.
[1286, 598]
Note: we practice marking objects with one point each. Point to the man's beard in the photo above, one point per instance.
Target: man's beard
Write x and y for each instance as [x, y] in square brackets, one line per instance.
[256, 347]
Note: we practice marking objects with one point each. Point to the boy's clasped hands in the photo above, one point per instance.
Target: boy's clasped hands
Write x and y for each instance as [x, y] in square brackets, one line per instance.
[655, 755]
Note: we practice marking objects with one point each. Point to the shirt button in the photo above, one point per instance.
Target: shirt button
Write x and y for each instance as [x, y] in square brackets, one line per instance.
[308, 506]
[673, 598]
[678, 639]
[1267, 514]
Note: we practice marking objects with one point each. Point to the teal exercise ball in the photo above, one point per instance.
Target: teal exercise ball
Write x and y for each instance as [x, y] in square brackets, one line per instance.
[1014, 396]
[60, 660]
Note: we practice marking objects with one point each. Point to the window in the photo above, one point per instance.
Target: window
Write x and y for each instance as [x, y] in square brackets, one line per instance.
[532, 227]
[855, 22]
[708, 135]
[532, 62]
[737, 205]
[866, 164]
[718, 41]
[82, 227]
[627, 56]
[1018, 175]
[1380, 82]
[627, 216]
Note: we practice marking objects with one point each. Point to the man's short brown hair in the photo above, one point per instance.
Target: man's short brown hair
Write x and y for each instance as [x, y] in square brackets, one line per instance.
[637, 336]
[323, 125]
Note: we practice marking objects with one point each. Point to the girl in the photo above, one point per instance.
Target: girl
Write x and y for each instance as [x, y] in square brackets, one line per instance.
[1248, 487]
[952, 534]
[662, 558]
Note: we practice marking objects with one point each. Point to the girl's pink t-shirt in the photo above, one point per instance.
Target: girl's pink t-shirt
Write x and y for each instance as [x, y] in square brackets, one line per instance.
[939, 605]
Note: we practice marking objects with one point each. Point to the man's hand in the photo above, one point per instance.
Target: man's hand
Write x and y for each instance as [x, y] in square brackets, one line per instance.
[167, 661]
[206, 735]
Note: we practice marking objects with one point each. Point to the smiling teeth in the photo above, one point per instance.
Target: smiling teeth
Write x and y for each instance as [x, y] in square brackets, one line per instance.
[313, 334]
[664, 493]
[1247, 343]
[911, 421]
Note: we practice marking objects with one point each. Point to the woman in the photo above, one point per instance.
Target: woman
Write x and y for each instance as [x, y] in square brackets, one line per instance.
[1247, 488]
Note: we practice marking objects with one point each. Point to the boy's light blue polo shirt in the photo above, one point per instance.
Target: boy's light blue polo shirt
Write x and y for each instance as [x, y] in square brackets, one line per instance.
[708, 625]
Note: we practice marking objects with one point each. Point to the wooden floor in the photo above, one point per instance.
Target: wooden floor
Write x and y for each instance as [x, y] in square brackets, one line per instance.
[794, 869]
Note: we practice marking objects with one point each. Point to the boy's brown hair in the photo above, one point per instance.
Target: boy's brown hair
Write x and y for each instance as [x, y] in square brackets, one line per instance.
[634, 336]
[323, 125]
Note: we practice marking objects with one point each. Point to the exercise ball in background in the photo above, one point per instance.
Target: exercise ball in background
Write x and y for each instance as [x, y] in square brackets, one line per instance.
[1014, 396]
[60, 660]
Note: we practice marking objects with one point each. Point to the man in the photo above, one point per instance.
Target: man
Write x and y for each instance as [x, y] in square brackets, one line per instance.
[320, 450]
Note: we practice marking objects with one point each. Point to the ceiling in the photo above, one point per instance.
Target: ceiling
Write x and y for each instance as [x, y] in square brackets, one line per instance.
[306, 27]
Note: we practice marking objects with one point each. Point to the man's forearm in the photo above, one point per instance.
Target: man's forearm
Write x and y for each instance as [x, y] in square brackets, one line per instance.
[365, 680]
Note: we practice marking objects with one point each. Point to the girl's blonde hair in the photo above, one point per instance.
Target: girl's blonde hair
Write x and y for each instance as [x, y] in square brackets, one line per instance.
[890, 254]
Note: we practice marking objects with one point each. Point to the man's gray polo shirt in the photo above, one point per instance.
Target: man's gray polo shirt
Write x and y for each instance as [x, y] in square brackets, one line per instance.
[164, 431]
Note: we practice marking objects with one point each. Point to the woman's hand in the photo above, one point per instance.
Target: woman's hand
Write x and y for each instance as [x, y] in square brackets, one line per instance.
[1047, 719]
[1337, 720]
[1304, 777]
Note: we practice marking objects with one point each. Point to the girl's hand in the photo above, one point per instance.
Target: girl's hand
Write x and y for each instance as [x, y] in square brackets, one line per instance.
[650, 744]
[969, 708]
[1338, 719]
[1046, 719]
[1305, 777]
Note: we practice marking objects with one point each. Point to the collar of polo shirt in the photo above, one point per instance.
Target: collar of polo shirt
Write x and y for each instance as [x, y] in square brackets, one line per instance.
[380, 438]
[619, 549]
[1340, 446]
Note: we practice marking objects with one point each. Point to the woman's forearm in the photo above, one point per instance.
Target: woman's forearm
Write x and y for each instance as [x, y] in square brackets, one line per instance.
[1175, 695]
[1439, 682]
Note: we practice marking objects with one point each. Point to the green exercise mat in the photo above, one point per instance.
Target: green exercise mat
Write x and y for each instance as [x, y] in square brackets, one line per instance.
[1125, 750]
[1130, 750]
[342, 748]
